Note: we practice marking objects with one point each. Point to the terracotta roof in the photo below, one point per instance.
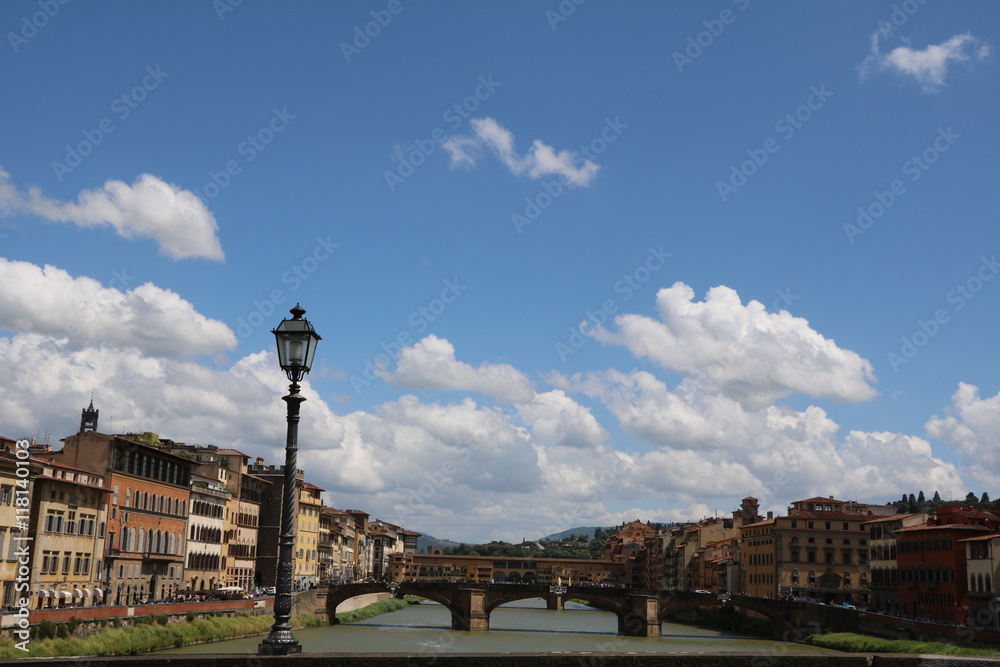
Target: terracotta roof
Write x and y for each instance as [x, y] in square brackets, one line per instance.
[947, 526]
[826, 516]
[980, 538]
[759, 523]
[892, 517]
[74, 483]
[817, 499]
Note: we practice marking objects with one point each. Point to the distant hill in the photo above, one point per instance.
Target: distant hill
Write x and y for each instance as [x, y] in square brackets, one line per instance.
[583, 530]
[425, 541]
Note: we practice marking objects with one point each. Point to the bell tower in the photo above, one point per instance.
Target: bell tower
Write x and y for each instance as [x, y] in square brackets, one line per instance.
[88, 418]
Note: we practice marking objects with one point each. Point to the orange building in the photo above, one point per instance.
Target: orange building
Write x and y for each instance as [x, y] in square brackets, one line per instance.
[147, 513]
[933, 565]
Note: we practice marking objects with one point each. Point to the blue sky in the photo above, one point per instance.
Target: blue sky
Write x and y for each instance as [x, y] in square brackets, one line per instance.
[619, 260]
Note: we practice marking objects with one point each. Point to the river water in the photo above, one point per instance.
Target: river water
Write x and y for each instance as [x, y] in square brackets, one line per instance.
[525, 626]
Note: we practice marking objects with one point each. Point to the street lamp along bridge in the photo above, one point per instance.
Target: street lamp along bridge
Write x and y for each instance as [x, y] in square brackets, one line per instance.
[297, 342]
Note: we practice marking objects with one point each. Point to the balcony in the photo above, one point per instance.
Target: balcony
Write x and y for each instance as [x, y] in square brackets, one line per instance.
[162, 558]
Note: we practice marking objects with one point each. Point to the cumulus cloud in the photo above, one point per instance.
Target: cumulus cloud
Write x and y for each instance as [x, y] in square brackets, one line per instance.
[431, 364]
[540, 160]
[928, 67]
[49, 300]
[449, 467]
[874, 459]
[706, 444]
[149, 208]
[555, 418]
[970, 425]
[742, 351]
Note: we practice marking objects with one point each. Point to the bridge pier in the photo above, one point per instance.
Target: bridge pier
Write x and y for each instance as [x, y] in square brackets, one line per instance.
[641, 617]
[554, 602]
[469, 610]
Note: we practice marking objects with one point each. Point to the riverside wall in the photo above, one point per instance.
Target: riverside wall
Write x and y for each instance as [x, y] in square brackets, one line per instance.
[305, 602]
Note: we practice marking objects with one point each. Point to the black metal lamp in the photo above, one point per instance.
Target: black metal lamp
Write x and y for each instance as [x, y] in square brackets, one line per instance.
[296, 348]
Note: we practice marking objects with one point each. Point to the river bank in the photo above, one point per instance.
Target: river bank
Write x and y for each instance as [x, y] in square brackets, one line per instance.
[855, 643]
[160, 632]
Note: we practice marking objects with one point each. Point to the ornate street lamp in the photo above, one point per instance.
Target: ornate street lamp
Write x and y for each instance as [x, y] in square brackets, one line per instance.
[296, 348]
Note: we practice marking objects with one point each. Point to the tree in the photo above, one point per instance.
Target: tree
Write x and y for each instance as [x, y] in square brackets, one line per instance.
[971, 498]
[921, 499]
[936, 498]
[985, 498]
[149, 438]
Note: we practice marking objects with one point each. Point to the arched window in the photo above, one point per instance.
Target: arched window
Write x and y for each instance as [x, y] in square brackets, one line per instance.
[142, 540]
[128, 497]
[795, 577]
[989, 584]
[981, 587]
[131, 539]
[812, 577]
[173, 544]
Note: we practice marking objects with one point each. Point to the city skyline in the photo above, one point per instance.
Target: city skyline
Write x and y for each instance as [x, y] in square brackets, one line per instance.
[572, 264]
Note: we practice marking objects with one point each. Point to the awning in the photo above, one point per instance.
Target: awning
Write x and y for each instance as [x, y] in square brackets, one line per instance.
[77, 593]
[86, 592]
[98, 593]
[42, 593]
[64, 594]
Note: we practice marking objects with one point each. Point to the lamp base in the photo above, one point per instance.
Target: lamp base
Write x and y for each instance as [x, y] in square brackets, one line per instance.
[278, 649]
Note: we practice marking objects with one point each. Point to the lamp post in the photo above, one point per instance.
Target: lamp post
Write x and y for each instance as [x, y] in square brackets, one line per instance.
[296, 348]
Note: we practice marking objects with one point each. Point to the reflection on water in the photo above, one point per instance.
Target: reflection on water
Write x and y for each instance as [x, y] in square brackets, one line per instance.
[522, 627]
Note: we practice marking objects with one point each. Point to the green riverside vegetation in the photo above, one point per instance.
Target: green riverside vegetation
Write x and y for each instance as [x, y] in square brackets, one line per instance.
[155, 632]
[855, 643]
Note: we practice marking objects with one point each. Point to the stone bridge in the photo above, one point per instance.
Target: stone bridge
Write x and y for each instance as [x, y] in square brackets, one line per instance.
[639, 612]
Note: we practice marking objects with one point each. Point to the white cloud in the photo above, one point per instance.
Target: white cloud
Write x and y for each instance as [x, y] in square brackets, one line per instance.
[149, 208]
[928, 67]
[894, 463]
[470, 471]
[708, 445]
[540, 160]
[431, 364]
[556, 419]
[49, 300]
[742, 351]
[970, 425]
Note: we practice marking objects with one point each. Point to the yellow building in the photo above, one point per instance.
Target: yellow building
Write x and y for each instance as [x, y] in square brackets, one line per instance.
[68, 507]
[819, 550]
[10, 486]
[305, 562]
